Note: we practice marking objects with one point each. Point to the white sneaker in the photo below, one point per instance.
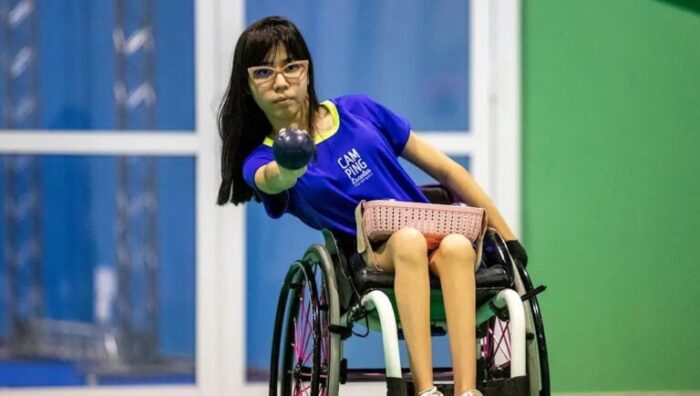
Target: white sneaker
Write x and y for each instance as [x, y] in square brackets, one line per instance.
[430, 392]
[472, 392]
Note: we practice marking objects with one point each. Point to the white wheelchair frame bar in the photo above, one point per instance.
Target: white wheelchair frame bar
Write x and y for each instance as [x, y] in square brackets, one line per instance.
[378, 300]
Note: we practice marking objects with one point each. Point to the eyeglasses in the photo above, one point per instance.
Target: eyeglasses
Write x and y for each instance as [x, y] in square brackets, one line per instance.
[292, 71]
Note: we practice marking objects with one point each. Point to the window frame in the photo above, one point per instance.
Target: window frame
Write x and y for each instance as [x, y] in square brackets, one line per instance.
[493, 145]
[200, 144]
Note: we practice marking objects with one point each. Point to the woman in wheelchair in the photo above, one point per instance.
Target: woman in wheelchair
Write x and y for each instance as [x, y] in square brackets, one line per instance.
[352, 145]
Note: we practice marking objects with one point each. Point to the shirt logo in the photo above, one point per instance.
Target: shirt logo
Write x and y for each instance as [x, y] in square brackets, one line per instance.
[355, 167]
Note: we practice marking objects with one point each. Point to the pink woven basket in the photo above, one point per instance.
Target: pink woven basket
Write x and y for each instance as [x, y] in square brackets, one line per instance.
[382, 218]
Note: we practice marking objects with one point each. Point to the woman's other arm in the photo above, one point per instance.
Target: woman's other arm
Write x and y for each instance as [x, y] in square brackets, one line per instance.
[453, 176]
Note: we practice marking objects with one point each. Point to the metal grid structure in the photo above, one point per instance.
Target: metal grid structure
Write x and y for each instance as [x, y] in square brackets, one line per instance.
[30, 334]
[22, 192]
[136, 194]
[129, 343]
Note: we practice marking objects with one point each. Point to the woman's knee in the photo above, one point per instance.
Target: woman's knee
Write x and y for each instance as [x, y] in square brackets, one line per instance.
[408, 245]
[456, 247]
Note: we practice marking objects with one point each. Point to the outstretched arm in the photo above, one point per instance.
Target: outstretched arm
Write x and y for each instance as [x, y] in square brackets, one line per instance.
[292, 149]
[273, 179]
[453, 176]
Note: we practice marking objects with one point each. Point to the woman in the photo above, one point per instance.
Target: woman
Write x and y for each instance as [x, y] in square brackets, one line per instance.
[358, 142]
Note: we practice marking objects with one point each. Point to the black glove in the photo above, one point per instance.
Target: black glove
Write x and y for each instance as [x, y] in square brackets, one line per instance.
[517, 251]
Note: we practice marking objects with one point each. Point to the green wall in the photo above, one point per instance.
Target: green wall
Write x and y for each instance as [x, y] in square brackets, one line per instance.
[611, 150]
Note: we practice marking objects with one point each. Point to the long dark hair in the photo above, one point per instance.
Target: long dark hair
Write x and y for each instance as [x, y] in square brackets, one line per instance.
[242, 124]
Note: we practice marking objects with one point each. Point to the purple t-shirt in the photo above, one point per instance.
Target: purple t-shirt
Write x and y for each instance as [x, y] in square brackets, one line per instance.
[356, 160]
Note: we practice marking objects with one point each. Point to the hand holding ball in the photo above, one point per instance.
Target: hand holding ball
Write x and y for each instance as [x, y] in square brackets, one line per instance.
[293, 148]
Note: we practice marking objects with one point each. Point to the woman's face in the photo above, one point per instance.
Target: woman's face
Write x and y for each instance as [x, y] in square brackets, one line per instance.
[280, 88]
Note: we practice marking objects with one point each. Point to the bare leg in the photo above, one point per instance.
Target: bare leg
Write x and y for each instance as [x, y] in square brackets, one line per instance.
[454, 262]
[405, 254]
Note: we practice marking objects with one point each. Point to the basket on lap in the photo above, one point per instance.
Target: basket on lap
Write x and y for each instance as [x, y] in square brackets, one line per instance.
[377, 220]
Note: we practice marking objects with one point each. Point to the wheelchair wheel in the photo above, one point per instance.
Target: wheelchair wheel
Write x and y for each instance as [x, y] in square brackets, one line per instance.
[496, 353]
[537, 358]
[310, 352]
[495, 350]
[495, 347]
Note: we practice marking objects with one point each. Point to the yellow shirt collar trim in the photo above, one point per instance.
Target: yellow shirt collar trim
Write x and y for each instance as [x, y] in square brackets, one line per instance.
[330, 106]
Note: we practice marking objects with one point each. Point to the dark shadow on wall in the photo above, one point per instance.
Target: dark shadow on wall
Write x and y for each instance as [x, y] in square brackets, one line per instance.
[688, 5]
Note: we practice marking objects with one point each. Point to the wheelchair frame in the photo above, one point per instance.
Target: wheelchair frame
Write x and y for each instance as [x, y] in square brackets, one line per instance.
[319, 303]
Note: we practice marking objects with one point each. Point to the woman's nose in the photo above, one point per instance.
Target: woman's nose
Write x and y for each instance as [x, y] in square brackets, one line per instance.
[280, 82]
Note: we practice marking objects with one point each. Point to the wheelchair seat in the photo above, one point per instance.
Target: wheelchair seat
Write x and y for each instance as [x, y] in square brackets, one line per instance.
[489, 281]
[493, 275]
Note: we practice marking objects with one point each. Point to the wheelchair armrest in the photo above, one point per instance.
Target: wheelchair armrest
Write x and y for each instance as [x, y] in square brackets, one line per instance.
[438, 194]
[495, 253]
[333, 247]
[342, 270]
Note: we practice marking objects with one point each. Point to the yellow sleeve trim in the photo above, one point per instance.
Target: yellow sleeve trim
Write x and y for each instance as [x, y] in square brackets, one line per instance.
[330, 106]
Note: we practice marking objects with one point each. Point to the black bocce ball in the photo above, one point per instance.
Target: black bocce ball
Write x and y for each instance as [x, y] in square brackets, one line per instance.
[293, 148]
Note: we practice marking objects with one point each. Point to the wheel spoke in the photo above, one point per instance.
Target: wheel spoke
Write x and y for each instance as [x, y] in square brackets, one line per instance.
[496, 350]
[309, 341]
[303, 319]
[309, 332]
[505, 336]
[498, 345]
[506, 332]
[297, 342]
[301, 388]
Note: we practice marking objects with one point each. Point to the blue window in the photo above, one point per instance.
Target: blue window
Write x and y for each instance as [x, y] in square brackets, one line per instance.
[411, 56]
[97, 65]
[98, 256]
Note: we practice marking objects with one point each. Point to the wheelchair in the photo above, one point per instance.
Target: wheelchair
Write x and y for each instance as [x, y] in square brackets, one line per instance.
[330, 289]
